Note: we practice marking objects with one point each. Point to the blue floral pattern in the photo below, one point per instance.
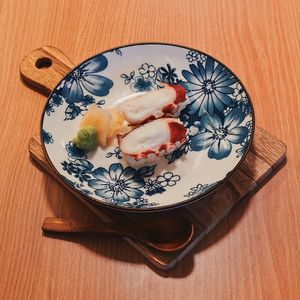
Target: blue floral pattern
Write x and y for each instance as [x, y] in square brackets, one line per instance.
[86, 78]
[167, 75]
[245, 107]
[79, 88]
[140, 203]
[160, 183]
[74, 152]
[153, 187]
[80, 168]
[239, 93]
[182, 150]
[208, 87]
[47, 137]
[197, 190]
[150, 77]
[140, 84]
[117, 184]
[195, 56]
[218, 118]
[168, 179]
[246, 141]
[218, 133]
[74, 110]
[147, 71]
[55, 101]
[116, 153]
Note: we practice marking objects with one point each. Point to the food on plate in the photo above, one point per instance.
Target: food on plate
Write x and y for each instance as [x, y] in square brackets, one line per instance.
[108, 122]
[146, 126]
[151, 140]
[116, 125]
[87, 138]
[168, 101]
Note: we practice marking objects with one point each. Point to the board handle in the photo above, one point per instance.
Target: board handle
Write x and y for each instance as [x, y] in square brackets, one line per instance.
[43, 68]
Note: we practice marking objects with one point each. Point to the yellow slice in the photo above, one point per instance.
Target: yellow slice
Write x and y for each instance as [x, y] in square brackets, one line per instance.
[99, 118]
[108, 123]
[116, 121]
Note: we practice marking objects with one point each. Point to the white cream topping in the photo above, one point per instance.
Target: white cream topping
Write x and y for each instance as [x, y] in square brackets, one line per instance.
[139, 108]
[148, 136]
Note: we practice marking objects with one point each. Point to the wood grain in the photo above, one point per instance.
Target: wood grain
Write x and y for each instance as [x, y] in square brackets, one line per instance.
[266, 153]
[253, 254]
[44, 67]
[205, 214]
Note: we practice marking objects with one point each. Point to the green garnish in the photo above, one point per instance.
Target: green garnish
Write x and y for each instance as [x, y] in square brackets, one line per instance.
[86, 139]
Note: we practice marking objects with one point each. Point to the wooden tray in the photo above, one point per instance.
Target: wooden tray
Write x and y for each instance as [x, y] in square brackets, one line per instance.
[45, 67]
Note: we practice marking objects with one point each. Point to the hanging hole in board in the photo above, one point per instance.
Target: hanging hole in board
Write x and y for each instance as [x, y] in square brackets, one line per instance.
[43, 63]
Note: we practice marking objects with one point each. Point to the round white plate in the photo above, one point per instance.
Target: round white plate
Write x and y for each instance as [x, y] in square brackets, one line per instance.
[219, 120]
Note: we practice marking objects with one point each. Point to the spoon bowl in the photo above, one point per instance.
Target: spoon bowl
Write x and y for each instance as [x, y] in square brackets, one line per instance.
[166, 234]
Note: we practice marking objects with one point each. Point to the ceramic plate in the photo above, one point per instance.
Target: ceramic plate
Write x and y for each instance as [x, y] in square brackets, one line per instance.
[219, 120]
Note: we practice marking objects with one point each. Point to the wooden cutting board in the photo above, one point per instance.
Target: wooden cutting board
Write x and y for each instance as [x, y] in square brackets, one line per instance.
[45, 67]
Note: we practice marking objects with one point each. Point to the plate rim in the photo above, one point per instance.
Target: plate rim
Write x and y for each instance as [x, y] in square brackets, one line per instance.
[150, 209]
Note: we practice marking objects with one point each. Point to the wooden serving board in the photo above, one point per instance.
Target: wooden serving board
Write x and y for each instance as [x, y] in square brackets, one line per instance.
[45, 67]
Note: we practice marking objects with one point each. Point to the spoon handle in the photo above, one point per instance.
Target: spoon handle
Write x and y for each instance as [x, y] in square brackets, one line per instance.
[69, 226]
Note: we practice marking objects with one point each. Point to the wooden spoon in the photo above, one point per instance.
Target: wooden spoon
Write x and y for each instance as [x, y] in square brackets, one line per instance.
[165, 234]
